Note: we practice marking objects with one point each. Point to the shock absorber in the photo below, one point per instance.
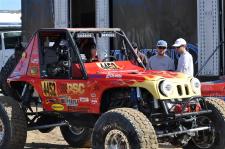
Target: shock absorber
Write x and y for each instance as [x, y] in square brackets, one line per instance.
[26, 95]
[136, 96]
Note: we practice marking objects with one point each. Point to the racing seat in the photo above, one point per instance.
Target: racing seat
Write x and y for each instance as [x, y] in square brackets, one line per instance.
[50, 58]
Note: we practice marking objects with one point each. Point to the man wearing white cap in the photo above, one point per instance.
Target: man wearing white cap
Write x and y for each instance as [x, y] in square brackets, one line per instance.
[161, 61]
[185, 62]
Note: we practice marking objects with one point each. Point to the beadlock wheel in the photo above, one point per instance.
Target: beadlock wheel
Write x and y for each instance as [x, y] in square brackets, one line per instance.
[205, 138]
[214, 137]
[116, 139]
[124, 128]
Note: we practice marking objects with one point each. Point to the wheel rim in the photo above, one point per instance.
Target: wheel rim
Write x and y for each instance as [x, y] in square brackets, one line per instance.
[206, 138]
[2, 131]
[76, 130]
[116, 139]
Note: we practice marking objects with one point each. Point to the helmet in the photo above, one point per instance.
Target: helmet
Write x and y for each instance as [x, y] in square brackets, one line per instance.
[63, 49]
[63, 43]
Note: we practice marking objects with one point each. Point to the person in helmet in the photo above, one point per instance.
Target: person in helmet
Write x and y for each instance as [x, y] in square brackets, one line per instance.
[60, 68]
[63, 50]
[161, 61]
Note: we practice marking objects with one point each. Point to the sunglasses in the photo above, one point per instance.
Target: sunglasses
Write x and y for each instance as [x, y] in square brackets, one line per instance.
[178, 47]
[161, 47]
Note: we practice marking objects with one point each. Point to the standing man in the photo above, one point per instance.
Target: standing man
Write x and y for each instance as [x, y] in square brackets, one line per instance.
[161, 61]
[139, 54]
[185, 62]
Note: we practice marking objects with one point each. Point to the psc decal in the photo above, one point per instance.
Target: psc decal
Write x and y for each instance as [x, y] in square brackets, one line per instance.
[108, 65]
[57, 107]
[49, 88]
[75, 88]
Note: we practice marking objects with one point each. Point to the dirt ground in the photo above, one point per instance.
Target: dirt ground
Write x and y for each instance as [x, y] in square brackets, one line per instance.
[54, 140]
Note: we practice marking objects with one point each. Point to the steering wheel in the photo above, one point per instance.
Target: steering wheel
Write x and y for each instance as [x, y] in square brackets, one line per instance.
[108, 57]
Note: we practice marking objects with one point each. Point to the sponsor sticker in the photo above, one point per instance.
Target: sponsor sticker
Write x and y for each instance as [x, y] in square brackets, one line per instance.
[72, 102]
[108, 65]
[76, 109]
[84, 99]
[75, 88]
[49, 88]
[57, 107]
[34, 71]
[51, 100]
[94, 101]
[24, 55]
[16, 73]
[110, 75]
[93, 94]
[35, 61]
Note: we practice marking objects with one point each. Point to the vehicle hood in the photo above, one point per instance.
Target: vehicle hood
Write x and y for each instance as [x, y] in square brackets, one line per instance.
[127, 70]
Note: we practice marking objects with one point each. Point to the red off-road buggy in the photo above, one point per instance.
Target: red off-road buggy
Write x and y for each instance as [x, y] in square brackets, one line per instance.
[109, 103]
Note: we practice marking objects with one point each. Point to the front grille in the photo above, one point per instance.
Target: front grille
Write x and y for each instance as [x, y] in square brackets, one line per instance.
[187, 90]
[179, 90]
[183, 90]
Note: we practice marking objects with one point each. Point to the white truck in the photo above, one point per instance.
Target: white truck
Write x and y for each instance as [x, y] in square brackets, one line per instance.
[10, 52]
[9, 40]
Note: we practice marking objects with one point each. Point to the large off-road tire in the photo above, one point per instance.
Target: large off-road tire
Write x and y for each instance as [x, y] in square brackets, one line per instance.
[13, 124]
[124, 128]
[217, 120]
[6, 70]
[77, 136]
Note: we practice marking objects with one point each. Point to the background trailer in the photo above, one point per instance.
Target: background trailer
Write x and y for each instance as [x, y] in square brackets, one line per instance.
[200, 22]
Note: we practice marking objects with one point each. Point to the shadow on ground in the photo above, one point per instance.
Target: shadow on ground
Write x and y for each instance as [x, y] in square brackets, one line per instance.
[45, 146]
[57, 146]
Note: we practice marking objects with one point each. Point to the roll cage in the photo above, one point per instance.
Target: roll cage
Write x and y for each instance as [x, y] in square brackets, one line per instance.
[72, 33]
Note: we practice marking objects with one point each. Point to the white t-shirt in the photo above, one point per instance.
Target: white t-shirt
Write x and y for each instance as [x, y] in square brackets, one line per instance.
[185, 64]
[157, 62]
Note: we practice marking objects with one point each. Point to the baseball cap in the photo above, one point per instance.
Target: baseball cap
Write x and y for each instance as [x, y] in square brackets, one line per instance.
[161, 43]
[179, 42]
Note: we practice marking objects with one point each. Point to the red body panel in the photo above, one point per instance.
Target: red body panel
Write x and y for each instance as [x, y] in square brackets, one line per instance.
[71, 95]
[213, 89]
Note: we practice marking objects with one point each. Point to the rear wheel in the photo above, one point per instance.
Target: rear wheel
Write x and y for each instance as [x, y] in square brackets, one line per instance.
[13, 125]
[77, 136]
[7, 70]
[124, 128]
[213, 138]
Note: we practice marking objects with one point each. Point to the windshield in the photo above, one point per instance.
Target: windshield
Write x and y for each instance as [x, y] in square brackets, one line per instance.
[119, 48]
[11, 39]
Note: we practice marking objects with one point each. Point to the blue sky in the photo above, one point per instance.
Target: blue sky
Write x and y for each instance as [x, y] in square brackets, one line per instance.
[10, 4]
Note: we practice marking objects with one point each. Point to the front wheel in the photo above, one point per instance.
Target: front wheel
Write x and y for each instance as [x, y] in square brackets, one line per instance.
[77, 136]
[124, 128]
[213, 138]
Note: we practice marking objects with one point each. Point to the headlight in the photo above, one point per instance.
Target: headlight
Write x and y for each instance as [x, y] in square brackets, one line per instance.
[166, 88]
[196, 85]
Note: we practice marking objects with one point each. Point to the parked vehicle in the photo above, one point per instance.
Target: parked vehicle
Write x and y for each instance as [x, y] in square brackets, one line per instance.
[117, 103]
[10, 53]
